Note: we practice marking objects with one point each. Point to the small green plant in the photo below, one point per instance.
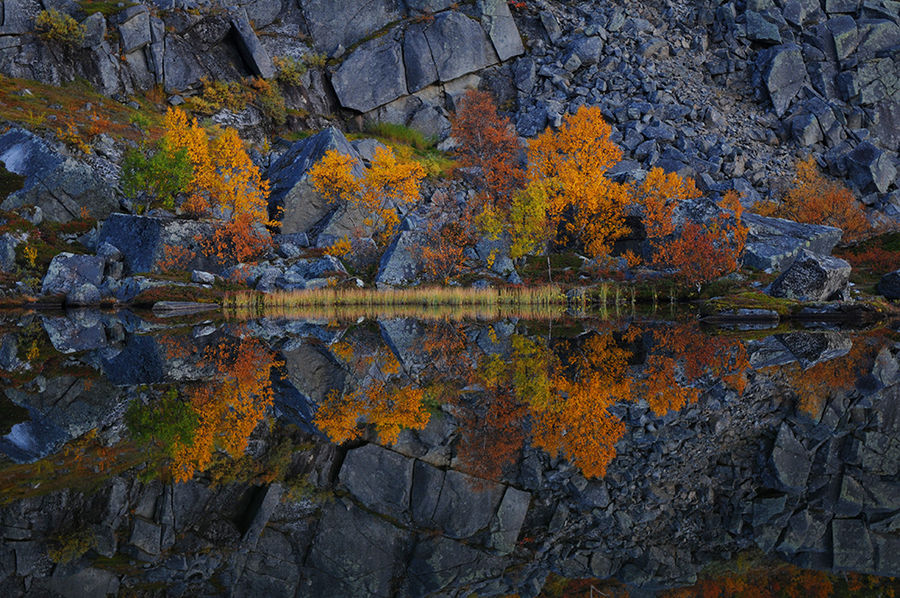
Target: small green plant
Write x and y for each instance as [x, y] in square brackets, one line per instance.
[140, 120]
[315, 60]
[290, 70]
[161, 176]
[164, 422]
[270, 101]
[399, 133]
[71, 546]
[54, 26]
[220, 94]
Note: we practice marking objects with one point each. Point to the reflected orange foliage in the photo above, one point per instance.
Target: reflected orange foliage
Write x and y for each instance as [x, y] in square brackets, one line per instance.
[229, 407]
[380, 399]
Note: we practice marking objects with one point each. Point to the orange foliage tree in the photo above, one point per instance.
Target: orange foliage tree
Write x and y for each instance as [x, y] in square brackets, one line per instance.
[700, 252]
[572, 163]
[381, 398]
[389, 182]
[488, 144]
[227, 408]
[816, 199]
[224, 183]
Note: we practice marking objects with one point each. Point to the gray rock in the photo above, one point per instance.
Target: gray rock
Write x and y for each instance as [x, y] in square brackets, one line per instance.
[508, 522]
[806, 130]
[551, 25]
[334, 23]
[83, 295]
[811, 348]
[802, 12]
[775, 243]
[458, 45]
[871, 168]
[312, 370]
[420, 68]
[202, 277]
[134, 31]
[379, 478]
[813, 277]
[293, 201]
[588, 49]
[837, 6]
[501, 28]
[889, 285]
[844, 32]
[853, 548]
[8, 244]
[68, 271]
[791, 461]
[430, 121]
[146, 536]
[495, 254]
[761, 30]
[148, 243]
[877, 37]
[373, 74]
[784, 74]
[181, 67]
[58, 185]
[401, 263]
[253, 52]
[94, 30]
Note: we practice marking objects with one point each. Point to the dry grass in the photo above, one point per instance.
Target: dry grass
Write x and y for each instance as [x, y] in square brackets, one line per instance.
[425, 302]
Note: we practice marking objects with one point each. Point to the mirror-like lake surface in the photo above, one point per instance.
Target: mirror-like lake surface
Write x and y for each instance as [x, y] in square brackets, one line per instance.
[419, 457]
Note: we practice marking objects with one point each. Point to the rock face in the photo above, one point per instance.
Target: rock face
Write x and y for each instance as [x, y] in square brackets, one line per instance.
[151, 244]
[889, 285]
[68, 272]
[784, 75]
[295, 203]
[813, 277]
[401, 263]
[774, 243]
[372, 76]
[59, 185]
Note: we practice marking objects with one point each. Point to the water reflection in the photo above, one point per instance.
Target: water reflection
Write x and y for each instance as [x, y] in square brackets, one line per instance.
[407, 457]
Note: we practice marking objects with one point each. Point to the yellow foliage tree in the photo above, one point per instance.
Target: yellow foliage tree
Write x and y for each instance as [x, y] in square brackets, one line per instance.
[387, 184]
[572, 163]
[224, 183]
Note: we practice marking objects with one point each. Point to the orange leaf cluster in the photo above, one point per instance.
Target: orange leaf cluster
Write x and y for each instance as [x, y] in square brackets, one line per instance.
[228, 409]
[388, 183]
[815, 199]
[489, 146]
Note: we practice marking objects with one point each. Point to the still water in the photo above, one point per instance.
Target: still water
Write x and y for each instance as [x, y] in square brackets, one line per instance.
[448, 456]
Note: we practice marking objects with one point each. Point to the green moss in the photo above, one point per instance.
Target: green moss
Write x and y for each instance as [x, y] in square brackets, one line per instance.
[9, 182]
[104, 7]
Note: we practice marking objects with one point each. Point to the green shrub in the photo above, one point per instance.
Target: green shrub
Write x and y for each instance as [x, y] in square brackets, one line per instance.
[164, 422]
[270, 100]
[54, 26]
[71, 546]
[160, 177]
[399, 133]
[290, 70]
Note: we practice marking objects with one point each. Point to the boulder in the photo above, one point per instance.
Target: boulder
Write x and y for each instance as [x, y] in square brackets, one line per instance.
[845, 35]
[761, 30]
[296, 204]
[379, 478]
[877, 37]
[8, 244]
[83, 295]
[853, 550]
[152, 244]
[889, 285]
[871, 168]
[791, 460]
[420, 68]
[501, 28]
[774, 243]
[458, 45]
[813, 277]
[401, 263]
[134, 28]
[308, 274]
[67, 272]
[372, 75]
[334, 23]
[252, 51]
[58, 185]
[784, 73]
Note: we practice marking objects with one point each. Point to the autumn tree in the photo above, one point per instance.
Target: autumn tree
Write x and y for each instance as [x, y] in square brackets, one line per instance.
[372, 199]
[700, 252]
[572, 163]
[218, 179]
[816, 199]
[488, 145]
